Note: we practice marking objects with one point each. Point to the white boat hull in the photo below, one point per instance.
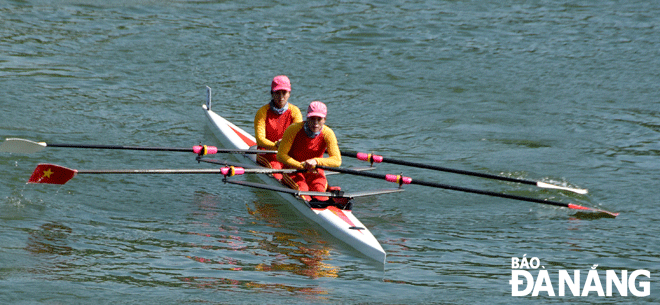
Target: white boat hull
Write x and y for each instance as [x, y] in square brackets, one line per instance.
[342, 224]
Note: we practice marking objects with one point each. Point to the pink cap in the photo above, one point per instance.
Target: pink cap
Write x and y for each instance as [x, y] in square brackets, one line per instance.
[318, 109]
[280, 82]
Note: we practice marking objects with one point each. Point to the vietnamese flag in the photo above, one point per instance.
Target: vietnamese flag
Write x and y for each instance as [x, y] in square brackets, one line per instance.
[52, 174]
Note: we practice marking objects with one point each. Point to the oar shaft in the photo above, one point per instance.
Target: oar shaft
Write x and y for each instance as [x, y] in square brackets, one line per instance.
[406, 180]
[227, 171]
[198, 149]
[378, 159]
[488, 193]
[16, 145]
[458, 171]
[122, 147]
[152, 171]
[438, 168]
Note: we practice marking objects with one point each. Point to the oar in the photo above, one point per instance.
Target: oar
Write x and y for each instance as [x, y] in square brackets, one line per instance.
[56, 174]
[378, 159]
[407, 180]
[16, 145]
[308, 193]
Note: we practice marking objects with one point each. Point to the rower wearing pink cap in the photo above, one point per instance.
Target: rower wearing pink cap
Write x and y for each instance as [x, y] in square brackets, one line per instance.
[303, 145]
[272, 120]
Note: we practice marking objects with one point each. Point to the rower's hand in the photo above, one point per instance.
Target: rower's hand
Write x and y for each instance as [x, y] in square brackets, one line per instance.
[310, 164]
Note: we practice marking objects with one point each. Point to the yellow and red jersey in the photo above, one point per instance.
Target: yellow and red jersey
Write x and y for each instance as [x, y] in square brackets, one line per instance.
[269, 126]
[297, 147]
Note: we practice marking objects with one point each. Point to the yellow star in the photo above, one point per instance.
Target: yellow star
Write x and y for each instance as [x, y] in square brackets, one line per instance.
[47, 173]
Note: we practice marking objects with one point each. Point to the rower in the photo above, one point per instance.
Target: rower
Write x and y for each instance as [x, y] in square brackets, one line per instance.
[302, 147]
[272, 120]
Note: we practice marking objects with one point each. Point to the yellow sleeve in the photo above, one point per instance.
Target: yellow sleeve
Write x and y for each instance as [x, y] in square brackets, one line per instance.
[260, 129]
[295, 113]
[334, 155]
[285, 146]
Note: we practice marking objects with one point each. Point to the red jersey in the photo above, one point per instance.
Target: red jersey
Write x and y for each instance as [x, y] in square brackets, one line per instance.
[269, 126]
[296, 147]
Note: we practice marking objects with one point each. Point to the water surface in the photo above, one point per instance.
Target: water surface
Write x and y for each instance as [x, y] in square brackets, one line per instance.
[543, 90]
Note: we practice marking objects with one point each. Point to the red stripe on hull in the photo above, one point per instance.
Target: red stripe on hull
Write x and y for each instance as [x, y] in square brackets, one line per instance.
[245, 139]
[340, 214]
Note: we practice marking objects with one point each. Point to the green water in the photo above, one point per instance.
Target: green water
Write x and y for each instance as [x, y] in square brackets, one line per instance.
[543, 90]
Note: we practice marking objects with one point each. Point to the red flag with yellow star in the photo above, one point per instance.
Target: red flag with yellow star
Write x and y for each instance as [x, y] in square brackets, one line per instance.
[52, 174]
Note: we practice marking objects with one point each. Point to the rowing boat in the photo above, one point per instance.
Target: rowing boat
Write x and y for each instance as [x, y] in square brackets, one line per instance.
[341, 223]
[337, 220]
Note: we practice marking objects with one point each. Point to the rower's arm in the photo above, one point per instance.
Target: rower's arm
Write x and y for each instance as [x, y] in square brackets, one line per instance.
[334, 155]
[260, 129]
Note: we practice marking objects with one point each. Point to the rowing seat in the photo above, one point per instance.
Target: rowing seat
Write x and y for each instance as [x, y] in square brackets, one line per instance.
[342, 203]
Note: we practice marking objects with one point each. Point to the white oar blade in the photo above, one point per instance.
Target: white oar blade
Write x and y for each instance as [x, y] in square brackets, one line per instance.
[21, 146]
[557, 187]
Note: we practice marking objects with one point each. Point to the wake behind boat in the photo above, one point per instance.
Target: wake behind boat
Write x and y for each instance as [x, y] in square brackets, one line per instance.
[339, 222]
